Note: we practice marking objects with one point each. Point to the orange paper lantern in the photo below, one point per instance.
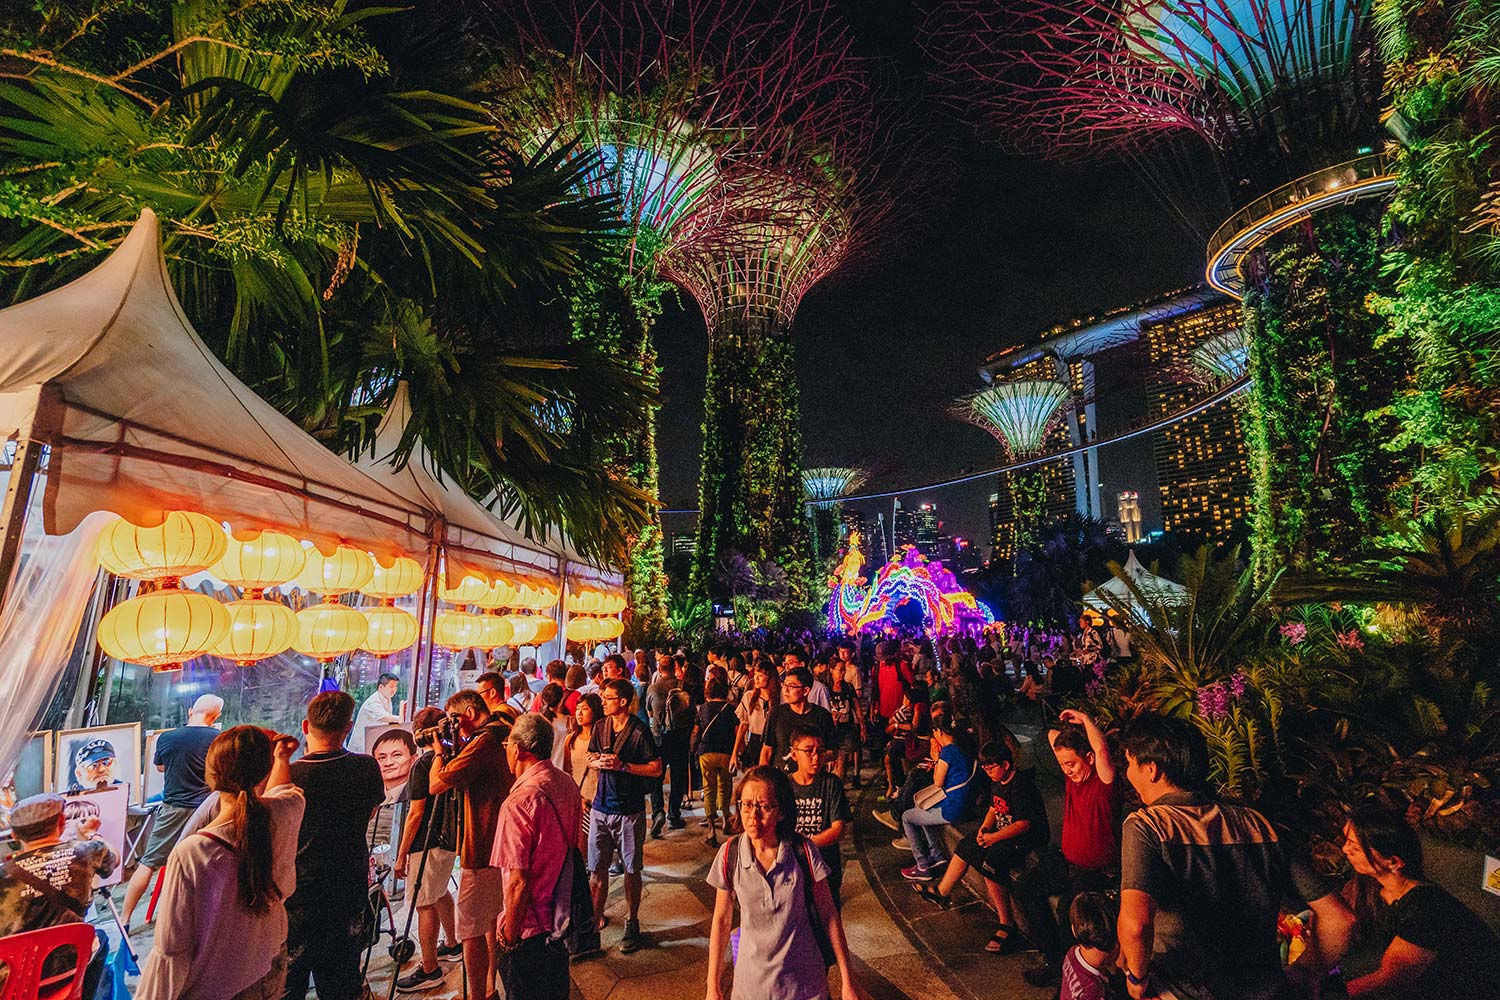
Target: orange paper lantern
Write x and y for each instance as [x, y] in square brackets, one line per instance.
[257, 629]
[164, 628]
[457, 630]
[523, 629]
[494, 631]
[185, 542]
[266, 560]
[401, 578]
[347, 569]
[469, 590]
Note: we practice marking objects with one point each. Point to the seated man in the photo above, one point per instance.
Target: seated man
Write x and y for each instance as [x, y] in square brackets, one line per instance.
[50, 881]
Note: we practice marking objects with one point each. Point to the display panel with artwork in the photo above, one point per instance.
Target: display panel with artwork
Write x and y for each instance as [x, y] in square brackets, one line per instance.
[109, 805]
[101, 757]
[154, 782]
[394, 750]
[32, 775]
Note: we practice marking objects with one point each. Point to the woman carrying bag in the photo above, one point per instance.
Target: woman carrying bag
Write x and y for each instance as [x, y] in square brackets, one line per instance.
[713, 744]
[790, 932]
[938, 805]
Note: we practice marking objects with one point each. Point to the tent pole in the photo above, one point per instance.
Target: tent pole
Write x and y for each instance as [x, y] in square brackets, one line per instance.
[22, 481]
[426, 619]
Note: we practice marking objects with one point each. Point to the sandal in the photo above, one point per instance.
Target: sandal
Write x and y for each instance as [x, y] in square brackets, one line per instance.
[1005, 941]
[930, 893]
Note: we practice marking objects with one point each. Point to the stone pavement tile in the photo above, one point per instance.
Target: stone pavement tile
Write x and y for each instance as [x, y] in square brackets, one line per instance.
[907, 975]
[687, 981]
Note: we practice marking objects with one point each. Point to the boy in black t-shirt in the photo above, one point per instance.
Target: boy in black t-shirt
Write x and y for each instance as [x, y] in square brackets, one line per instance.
[822, 808]
[794, 712]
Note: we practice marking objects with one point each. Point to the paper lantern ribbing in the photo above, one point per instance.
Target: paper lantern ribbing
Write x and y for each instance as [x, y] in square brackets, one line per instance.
[347, 569]
[327, 631]
[610, 628]
[185, 542]
[494, 631]
[457, 630]
[470, 590]
[164, 628]
[499, 594]
[585, 602]
[390, 630]
[523, 629]
[268, 559]
[582, 629]
[546, 630]
[401, 578]
[257, 629]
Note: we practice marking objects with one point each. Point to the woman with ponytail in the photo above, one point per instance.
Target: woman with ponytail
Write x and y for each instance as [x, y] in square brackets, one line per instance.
[221, 926]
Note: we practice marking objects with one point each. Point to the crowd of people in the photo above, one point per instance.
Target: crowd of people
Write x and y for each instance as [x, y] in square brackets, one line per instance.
[543, 788]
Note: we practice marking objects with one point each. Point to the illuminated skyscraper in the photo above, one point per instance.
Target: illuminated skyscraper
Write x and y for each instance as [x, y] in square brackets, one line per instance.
[927, 524]
[1130, 516]
[1201, 463]
[905, 523]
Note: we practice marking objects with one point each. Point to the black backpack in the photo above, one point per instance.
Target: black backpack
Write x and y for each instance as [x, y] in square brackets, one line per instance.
[679, 714]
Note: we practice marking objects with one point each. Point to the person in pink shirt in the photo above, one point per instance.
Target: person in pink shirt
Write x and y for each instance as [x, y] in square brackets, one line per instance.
[537, 826]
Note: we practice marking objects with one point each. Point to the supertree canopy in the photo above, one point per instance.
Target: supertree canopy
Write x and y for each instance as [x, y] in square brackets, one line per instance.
[1224, 357]
[667, 98]
[824, 488]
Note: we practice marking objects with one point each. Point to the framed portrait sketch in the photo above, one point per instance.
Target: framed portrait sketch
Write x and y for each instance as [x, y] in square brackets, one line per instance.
[99, 757]
[153, 782]
[32, 775]
[99, 815]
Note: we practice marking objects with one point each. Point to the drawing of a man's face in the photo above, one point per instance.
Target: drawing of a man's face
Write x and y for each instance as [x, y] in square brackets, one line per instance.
[394, 757]
[94, 764]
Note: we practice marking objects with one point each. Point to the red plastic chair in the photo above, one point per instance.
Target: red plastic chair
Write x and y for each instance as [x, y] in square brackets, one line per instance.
[23, 956]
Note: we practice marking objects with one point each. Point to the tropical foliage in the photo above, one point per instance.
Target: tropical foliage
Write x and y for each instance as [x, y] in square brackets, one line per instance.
[338, 217]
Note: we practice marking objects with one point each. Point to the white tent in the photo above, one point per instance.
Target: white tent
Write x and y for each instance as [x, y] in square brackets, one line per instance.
[1115, 592]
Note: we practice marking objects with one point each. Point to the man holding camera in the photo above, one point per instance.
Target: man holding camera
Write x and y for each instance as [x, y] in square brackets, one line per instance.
[622, 751]
[471, 758]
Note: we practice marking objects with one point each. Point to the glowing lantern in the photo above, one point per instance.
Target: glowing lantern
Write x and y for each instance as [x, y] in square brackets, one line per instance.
[546, 630]
[268, 559]
[257, 629]
[401, 578]
[523, 629]
[612, 604]
[457, 630]
[499, 594]
[327, 631]
[185, 542]
[582, 630]
[585, 602]
[470, 590]
[390, 630]
[347, 569]
[494, 630]
[548, 596]
[164, 628]
[610, 628]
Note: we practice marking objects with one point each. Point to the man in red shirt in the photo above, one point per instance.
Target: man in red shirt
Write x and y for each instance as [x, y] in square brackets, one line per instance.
[1089, 860]
[892, 677]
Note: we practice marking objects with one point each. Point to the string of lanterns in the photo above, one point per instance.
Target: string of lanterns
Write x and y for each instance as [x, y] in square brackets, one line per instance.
[165, 625]
[584, 606]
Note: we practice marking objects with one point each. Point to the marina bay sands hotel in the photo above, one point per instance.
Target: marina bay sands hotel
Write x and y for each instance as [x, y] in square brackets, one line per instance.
[1138, 379]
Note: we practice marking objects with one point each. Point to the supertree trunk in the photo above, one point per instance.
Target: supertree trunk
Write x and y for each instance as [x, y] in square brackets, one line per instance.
[1322, 484]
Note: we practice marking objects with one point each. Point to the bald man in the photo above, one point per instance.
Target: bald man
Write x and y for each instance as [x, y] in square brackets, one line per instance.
[181, 755]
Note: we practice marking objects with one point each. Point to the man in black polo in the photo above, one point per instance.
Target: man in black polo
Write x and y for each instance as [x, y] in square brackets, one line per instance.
[1201, 881]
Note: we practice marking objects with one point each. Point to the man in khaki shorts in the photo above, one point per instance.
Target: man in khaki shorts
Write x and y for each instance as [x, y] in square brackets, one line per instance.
[428, 842]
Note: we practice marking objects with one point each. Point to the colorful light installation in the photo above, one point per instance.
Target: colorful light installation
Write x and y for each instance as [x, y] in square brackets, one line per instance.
[908, 577]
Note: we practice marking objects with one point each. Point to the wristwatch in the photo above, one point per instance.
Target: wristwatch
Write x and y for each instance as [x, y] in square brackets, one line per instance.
[1130, 978]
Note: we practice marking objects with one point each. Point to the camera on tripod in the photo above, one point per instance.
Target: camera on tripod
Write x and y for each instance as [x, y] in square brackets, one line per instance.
[447, 733]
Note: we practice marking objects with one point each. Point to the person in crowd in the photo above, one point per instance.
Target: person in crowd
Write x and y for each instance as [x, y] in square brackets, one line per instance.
[557, 673]
[823, 811]
[342, 790]
[1089, 858]
[753, 711]
[612, 669]
[626, 758]
[641, 684]
[578, 676]
[952, 773]
[1014, 826]
[477, 768]
[50, 880]
[1088, 969]
[1431, 946]
[848, 721]
[1195, 874]
[182, 757]
[713, 743]
[588, 712]
[533, 842]
[672, 718]
[893, 677]
[787, 914]
[596, 674]
[222, 926]
[909, 729]
[817, 691]
[795, 711]
[491, 687]
[378, 710]
[519, 690]
[425, 856]
[738, 677]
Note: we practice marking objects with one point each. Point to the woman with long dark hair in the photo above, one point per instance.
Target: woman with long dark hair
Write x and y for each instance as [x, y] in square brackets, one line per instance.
[790, 930]
[221, 927]
[1434, 948]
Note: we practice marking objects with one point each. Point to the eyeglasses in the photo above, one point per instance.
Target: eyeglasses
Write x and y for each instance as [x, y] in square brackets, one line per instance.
[485, 692]
[794, 687]
[758, 808]
[807, 750]
[610, 697]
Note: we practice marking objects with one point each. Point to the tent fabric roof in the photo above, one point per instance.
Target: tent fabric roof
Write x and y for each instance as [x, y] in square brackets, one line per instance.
[151, 421]
[475, 540]
[1149, 583]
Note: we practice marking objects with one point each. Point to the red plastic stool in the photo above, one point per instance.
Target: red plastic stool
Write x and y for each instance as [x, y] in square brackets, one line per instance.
[24, 956]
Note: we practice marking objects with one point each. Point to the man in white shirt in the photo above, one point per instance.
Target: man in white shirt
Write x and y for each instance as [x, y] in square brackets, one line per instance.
[378, 710]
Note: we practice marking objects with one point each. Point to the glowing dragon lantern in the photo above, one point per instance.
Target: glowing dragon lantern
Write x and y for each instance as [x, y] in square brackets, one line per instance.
[907, 580]
[825, 487]
[1019, 414]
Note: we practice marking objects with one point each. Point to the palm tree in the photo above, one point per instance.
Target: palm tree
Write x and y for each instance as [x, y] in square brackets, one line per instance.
[337, 217]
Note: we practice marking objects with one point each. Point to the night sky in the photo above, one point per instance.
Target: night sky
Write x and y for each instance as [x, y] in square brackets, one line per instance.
[883, 349]
[881, 354]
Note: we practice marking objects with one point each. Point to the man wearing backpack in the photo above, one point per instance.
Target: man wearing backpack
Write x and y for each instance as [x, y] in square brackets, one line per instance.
[672, 721]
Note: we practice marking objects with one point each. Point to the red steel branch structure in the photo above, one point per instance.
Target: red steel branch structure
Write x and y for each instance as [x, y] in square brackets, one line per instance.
[684, 106]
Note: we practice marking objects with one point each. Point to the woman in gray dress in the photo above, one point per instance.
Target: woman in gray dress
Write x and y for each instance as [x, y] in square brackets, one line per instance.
[790, 931]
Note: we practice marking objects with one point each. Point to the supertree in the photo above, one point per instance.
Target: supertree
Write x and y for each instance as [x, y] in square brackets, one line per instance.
[664, 96]
[825, 487]
[1277, 99]
[1019, 414]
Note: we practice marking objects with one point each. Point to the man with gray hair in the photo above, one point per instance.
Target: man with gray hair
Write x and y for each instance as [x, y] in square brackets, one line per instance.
[534, 837]
[182, 756]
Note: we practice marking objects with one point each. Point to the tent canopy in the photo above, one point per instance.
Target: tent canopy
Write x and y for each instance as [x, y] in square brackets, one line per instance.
[147, 420]
[1115, 592]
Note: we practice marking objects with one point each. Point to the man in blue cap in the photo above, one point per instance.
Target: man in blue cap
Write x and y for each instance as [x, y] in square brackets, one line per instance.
[93, 766]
